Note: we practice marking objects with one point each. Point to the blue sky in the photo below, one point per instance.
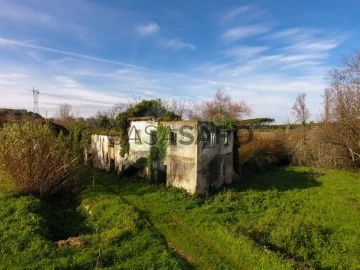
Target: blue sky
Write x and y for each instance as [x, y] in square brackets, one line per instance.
[93, 54]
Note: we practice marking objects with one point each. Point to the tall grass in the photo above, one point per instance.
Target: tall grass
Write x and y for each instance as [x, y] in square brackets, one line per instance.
[35, 161]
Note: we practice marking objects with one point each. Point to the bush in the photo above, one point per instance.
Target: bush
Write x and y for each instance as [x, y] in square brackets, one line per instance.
[34, 161]
[264, 150]
[307, 146]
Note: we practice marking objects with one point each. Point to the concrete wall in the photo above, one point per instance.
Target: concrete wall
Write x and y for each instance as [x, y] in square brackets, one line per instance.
[106, 155]
[139, 140]
[181, 158]
[206, 162]
[214, 158]
[100, 151]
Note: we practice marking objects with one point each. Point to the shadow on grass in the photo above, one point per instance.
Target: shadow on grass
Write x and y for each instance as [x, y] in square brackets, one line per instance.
[63, 218]
[281, 179]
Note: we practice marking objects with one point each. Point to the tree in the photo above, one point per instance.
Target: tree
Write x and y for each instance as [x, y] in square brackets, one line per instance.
[222, 107]
[300, 110]
[106, 118]
[64, 111]
[65, 116]
[341, 117]
[179, 107]
[335, 141]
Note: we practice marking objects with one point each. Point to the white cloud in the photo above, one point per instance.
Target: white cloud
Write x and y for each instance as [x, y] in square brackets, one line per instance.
[34, 55]
[235, 12]
[67, 82]
[307, 41]
[13, 11]
[16, 43]
[11, 78]
[291, 34]
[148, 29]
[177, 44]
[244, 32]
[314, 45]
[13, 75]
[246, 51]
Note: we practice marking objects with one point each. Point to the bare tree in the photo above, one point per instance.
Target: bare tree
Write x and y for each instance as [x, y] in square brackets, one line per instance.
[342, 108]
[185, 108]
[335, 141]
[300, 110]
[105, 118]
[64, 111]
[223, 106]
[64, 115]
[327, 104]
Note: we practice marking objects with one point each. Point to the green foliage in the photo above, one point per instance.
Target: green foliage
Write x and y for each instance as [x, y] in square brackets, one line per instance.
[80, 135]
[153, 108]
[157, 155]
[225, 123]
[256, 121]
[104, 121]
[34, 161]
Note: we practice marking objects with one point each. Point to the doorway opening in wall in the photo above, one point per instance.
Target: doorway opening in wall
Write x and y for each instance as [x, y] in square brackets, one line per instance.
[226, 138]
[161, 174]
[212, 138]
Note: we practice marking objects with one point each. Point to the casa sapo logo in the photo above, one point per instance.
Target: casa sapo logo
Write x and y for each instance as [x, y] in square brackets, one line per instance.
[187, 135]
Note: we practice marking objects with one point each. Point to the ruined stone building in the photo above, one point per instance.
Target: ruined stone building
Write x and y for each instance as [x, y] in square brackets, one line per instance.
[198, 155]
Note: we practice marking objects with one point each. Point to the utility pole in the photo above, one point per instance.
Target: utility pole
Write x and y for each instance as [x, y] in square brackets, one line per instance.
[36, 94]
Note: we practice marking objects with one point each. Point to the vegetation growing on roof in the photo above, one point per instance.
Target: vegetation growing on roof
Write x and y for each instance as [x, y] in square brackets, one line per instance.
[153, 108]
[225, 123]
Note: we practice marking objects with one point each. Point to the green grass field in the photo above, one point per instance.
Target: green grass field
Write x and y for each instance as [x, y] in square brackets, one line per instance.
[292, 218]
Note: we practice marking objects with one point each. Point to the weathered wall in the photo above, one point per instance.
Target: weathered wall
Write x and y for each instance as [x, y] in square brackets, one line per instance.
[181, 173]
[100, 151]
[118, 160]
[181, 157]
[215, 160]
[106, 155]
[206, 162]
[139, 140]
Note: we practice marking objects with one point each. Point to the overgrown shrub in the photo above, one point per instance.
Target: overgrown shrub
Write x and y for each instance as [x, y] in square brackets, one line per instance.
[307, 146]
[80, 136]
[34, 161]
[265, 148]
[157, 155]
